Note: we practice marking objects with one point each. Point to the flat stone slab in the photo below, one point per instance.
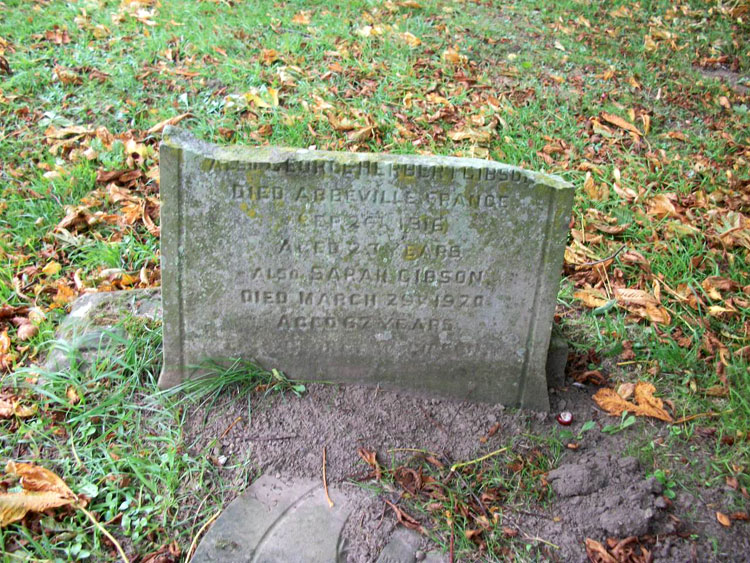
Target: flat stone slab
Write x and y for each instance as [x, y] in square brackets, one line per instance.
[285, 520]
[434, 274]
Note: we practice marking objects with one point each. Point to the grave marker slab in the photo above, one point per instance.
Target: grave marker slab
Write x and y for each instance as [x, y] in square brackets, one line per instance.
[434, 274]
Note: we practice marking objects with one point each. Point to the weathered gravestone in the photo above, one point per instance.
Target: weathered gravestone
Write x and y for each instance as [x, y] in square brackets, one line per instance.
[434, 273]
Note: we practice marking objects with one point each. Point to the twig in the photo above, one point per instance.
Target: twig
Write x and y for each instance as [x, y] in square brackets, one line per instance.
[700, 415]
[473, 494]
[273, 438]
[75, 455]
[477, 460]
[452, 552]
[542, 540]
[325, 481]
[235, 421]
[104, 531]
[194, 543]
[611, 257]
[415, 450]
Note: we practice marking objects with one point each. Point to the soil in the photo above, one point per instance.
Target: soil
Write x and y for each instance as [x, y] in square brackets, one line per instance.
[600, 492]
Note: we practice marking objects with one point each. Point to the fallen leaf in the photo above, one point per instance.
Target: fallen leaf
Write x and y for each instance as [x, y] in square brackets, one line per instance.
[171, 121]
[52, 268]
[592, 298]
[454, 57]
[646, 404]
[301, 18]
[597, 553]
[660, 206]
[620, 122]
[26, 331]
[72, 395]
[4, 342]
[410, 39]
[42, 490]
[723, 519]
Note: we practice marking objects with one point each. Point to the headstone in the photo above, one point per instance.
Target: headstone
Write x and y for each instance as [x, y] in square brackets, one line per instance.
[435, 274]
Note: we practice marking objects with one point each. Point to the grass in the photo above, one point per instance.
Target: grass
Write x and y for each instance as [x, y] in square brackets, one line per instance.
[538, 75]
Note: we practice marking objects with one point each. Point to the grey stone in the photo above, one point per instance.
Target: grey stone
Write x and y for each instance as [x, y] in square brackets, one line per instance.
[557, 358]
[401, 548]
[91, 326]
[279, 521]
[433, 274]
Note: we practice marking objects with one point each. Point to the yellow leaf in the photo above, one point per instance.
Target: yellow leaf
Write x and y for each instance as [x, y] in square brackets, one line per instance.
[64, 294]
[592, 298]
[42, 490]
[723, 519]
[72, 395]
[656, 314]
[4, 342]
[620, 122]
[411, 40]
[14, 506]
[301, 18]
[37, 478]
[452, 56]
[52, 268]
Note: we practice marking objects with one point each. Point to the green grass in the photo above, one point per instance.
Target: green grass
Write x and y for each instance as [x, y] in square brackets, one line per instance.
[537, 73]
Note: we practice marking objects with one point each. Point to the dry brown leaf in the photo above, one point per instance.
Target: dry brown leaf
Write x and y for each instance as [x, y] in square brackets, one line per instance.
[660, 206]
[159, 127]
[597, 553]
[629, 296]
[592, 298]
[620, 122]
[42, 490]
[647, 404]
[410, 39]
[4, 342]
[625, 390]
[301, 18]
[454, 57]
[10, 405]
[72, 395]
[14, 506]
[26, 331]
[64, 294]
[723, 519]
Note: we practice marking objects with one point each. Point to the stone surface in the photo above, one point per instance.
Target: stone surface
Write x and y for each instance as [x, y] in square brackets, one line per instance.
[288, 520]
[91, 326]
[402, 548]
[557, 358]
[434, 274]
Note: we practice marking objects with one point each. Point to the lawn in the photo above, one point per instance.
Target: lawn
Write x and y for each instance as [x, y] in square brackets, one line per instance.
[644, 107]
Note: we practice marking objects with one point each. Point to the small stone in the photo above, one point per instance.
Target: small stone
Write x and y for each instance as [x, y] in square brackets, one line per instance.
[661, 502]
[419, 555]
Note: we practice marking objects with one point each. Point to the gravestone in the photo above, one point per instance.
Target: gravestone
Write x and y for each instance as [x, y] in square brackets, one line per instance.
[434, 274]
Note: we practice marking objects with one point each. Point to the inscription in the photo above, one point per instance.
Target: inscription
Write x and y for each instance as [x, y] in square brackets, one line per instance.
[372, 300]
[409, 251]
[362, 322]
[324, 167]
[258, 191]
